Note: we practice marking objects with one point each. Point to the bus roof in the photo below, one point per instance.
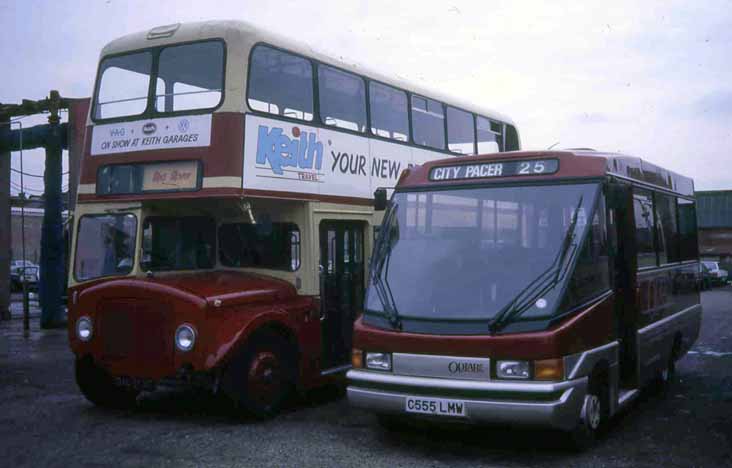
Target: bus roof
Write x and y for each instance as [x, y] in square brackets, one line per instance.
[240, 36]
[531, 166]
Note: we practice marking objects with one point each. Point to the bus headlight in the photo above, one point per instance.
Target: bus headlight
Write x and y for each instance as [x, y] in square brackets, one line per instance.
[512, 369]
[378, 361]
[185, 337]
[84, 328]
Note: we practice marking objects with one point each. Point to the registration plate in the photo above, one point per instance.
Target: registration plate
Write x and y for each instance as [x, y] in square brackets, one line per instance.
[435, 406]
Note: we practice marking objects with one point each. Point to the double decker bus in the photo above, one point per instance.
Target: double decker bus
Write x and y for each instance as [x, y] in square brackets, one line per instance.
[225, 208]
[537, 288]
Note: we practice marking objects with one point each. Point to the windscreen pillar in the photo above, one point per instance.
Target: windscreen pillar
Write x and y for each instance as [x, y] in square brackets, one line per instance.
[4, 228]
[52, 272]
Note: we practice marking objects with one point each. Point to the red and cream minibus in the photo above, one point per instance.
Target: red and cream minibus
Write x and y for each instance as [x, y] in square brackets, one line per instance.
[537, 288]
[225, 208]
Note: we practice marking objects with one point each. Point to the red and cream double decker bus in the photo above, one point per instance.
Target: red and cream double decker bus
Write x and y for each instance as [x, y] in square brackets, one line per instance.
[538, 288]
[225, 208]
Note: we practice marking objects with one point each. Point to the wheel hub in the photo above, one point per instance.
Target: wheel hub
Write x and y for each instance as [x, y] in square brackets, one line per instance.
[592, 411]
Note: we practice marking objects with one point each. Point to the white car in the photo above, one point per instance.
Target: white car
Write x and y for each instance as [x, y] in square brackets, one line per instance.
[712, 274]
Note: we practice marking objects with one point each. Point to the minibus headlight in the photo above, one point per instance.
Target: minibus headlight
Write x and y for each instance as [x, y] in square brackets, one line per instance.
[378, 361]
[84, 328]
[512, 369]
[185, 337]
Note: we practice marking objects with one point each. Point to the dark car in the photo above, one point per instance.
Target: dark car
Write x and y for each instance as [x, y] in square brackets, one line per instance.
[20, 269]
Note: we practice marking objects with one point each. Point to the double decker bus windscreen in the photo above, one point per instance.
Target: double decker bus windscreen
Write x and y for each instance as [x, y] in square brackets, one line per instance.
[478, 249]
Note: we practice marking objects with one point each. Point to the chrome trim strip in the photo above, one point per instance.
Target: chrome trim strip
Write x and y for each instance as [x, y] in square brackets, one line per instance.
[668, 319]
[450, 367]
[666, 266]
[357, 376]
[336, 370]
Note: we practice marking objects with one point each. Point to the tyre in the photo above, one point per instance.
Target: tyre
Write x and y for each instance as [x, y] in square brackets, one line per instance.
[593, 415]
[668, 373]
[261, 377]
[99, 388]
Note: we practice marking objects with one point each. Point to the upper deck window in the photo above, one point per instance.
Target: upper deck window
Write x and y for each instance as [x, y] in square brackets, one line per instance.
[280, 83]
[123, 85]
[389, 114]
[460, 131]
[190, 76]
[342, 99]
[428, 122]
[490, 139]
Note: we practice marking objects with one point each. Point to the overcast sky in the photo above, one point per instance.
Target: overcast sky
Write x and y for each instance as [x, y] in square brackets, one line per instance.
[652, 79]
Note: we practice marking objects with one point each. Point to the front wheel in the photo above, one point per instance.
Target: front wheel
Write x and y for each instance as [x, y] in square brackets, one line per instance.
[261, 378]
[593, 415]
[98, 387]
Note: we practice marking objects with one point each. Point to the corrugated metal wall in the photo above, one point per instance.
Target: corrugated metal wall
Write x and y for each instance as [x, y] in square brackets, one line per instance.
[714, 209]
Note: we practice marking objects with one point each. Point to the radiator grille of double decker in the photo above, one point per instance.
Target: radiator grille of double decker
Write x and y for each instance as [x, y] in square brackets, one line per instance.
[135, 331]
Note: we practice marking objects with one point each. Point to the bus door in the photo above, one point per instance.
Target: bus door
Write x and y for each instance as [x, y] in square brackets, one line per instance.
[621, 231]
[341, 288]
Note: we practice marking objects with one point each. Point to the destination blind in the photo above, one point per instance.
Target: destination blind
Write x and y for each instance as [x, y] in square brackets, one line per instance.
[495, 169]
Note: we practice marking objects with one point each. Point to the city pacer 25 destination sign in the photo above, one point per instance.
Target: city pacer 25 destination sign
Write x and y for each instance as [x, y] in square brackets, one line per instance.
[495, 169]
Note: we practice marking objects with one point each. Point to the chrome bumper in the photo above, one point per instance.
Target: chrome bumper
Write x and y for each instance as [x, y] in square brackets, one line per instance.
[554, 405]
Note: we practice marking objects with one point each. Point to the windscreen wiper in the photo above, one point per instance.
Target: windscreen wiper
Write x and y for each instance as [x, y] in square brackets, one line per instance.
[542, 283]
[383, 256]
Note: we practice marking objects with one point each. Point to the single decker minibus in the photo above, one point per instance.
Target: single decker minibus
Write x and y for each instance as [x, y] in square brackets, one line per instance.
[535, 288]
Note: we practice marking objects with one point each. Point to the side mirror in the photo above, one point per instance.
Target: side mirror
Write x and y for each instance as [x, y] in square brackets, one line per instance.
[380, 199]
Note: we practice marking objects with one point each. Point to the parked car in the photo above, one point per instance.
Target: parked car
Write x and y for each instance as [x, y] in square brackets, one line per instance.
[20, 269]
[712, 275]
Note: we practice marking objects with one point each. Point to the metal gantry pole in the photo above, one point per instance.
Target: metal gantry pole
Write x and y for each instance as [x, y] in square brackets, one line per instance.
[5, 221]
[51, 287]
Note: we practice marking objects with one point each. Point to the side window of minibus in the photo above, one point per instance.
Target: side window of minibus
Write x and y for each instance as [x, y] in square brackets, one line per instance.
[645, 226]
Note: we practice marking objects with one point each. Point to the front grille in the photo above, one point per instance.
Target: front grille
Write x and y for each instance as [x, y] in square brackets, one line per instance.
[135, 331]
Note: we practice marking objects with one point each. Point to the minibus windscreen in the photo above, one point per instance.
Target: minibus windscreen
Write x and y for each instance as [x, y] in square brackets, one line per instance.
[465, 254]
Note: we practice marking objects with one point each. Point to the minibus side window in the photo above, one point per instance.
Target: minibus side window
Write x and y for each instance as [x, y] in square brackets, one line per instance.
[668, 230]
[644, 227]
[687, 230]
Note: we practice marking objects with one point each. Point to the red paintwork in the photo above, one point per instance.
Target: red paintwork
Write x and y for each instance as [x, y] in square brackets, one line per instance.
[248, 302]
[588, 329]
[570, 165]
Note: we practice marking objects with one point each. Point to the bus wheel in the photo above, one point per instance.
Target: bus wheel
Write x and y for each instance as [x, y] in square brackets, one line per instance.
[99, 388]
[666, 376]
[593, 415]
[260, 380]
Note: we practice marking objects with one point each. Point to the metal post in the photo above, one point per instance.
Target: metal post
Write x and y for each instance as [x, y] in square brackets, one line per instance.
[51, 287]
[5, 229]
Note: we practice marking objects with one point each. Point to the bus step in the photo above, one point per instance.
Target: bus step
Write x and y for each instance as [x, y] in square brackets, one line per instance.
[626, 396]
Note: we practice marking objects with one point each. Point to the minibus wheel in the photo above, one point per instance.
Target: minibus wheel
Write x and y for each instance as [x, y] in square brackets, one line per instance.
[593, 415]
[261, 378]
[98, 387]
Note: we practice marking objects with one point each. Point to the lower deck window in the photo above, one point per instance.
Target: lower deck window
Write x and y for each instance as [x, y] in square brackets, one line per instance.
[266, 245]
[178, 243]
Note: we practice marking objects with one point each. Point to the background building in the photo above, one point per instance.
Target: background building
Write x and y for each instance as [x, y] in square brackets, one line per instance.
[714, 215]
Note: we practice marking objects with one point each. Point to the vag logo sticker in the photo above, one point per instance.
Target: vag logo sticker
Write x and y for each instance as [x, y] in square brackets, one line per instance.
[303, 151]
